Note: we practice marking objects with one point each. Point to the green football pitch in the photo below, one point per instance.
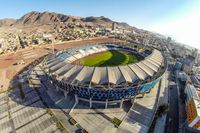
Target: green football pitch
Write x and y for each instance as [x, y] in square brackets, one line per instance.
[108, 58]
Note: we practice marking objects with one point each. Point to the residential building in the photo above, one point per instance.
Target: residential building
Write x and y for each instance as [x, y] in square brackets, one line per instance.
[114, 26]
[188, 64]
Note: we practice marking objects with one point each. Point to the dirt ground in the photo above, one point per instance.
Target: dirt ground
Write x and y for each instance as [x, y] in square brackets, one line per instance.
[8, 62]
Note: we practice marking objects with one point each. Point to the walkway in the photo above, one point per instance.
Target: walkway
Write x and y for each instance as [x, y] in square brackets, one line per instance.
[139, 118]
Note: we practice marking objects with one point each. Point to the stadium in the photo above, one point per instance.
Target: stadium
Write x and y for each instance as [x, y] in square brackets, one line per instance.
[105, 73]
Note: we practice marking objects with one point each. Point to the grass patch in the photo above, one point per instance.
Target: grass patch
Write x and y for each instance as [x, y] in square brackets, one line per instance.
[116, 121]
[109, 58]
[61, 127]
[49, 112]
[6, 100]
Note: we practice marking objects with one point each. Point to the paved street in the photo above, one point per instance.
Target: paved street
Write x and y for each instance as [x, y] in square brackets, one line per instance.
[163, 100]
[182, 111]
[173, 114]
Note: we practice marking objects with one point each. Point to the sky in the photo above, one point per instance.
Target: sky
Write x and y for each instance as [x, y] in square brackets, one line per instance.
[179, 19]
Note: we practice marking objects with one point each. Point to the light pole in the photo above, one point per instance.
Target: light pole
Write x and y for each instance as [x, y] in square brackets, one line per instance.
[53, 48]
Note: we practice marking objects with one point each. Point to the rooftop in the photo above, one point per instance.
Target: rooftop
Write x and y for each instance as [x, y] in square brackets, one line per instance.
[105, 76]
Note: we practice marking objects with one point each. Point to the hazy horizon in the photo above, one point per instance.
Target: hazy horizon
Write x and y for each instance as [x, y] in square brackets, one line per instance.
[176, 18]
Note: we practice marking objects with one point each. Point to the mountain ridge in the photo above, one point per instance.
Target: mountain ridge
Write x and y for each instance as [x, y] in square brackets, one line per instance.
[45, 18]
[7, 22]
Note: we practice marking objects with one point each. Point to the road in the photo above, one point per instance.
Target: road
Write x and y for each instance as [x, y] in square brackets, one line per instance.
[173, 114]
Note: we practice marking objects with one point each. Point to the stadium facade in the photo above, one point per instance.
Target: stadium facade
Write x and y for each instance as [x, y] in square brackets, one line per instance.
[104, 84]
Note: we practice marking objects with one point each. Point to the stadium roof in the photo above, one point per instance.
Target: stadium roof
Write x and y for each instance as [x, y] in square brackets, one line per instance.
[92, 76]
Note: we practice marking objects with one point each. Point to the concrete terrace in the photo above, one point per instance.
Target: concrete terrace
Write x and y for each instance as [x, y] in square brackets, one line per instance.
[28, 115]
[140, 116]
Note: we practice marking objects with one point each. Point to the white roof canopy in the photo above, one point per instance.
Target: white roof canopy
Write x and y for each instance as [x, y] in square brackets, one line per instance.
[115, 76]
[130, 73]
